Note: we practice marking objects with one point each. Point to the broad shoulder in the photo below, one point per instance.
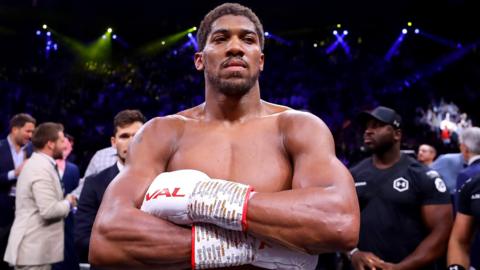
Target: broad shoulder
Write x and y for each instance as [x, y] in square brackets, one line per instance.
[162, 127]
[299, 122]
[362, 165]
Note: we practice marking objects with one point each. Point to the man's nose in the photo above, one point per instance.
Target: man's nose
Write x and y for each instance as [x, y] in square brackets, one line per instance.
[368, 130]
[235, 47]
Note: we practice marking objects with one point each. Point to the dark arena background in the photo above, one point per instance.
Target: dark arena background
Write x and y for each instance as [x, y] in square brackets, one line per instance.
[79, 62]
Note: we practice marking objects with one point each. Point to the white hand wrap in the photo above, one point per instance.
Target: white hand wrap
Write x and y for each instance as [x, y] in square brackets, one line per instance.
[188, 196]
[214, 247]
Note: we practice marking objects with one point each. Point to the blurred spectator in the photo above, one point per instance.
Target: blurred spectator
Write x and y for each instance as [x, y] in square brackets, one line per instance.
[14, 151]
[70, 176]
[406, 214]
[426, 154]
[36, 239]
[126, 123]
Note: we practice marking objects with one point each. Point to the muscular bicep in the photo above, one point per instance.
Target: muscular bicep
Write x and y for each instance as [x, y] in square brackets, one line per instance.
[124, 235]
[147, 156]
[311, 147]
[437, 215]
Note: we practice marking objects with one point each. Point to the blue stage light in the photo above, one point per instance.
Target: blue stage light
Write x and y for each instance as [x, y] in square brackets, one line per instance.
[404, 31]
[345, 32]
[55, 46]
[267, 34]
[38, 32]
[189, 35]
[417, 31]
[49, 34]
[114, 36]
[335, 32]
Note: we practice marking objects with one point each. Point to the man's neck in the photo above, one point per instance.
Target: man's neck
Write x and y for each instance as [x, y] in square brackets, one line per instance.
[387, 158]
[219, 106]
[14, 143]
[46, 152]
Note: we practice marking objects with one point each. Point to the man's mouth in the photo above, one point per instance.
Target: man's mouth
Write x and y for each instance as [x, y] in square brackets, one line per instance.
[235, 63]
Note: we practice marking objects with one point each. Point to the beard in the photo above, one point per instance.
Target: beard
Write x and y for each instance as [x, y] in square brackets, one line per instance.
[380, 147]
[57, 153]
[234, 84]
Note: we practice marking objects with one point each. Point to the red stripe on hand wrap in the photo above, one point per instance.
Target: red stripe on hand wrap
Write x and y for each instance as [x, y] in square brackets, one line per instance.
[245, 207]
[193, 246]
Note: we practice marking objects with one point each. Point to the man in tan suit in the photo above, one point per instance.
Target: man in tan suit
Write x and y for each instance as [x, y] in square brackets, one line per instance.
[36, 239]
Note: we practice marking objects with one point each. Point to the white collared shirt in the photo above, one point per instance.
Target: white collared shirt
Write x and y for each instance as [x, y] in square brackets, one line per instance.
[473, 159]
[17, 157]
[120, 166]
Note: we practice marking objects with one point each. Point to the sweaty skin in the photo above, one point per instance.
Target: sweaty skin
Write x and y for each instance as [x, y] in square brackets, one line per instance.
[306, 198]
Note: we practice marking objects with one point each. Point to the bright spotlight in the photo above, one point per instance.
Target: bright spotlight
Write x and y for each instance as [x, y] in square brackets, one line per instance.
[267, 34]
[335, 32]
[104, 36]
[163, 42]
[114, 36]
[49, 34]
[345, 32]
[404, 31]
[109, 30]
[44, 26]
[339, 25]
[38, 32]
[409, 24]
[189, 35]
[315, 45]
[417, 31]
[194, 28]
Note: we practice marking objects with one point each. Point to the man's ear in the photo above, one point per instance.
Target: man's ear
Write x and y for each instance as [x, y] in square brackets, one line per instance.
[112, 141]
[50, 145]
[198, 59]
[398, 134]
[262, 61]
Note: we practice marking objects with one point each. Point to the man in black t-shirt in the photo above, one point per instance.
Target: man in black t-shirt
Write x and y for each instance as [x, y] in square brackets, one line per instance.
[406, 214]
[467, 223]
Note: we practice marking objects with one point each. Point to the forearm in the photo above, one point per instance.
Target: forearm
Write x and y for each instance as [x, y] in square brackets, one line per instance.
[132, 239]
[430, 249]
[314, 220]
[458, 253]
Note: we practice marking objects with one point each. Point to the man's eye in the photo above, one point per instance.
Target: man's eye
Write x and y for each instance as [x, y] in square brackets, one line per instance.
[219, 39]
[249, 40]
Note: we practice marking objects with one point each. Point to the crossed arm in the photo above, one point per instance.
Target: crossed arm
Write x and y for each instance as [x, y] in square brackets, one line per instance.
[319, 214]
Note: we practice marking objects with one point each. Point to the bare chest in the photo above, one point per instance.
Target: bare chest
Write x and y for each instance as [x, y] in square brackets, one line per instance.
[251, 153]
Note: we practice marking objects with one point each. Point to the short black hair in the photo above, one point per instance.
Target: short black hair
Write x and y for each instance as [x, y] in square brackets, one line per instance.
[227, 9]
[127, 117]
[45, 132]
[19, 120]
